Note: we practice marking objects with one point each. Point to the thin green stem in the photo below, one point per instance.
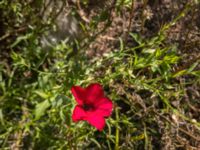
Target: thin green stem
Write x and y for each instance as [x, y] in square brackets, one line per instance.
[117, 129]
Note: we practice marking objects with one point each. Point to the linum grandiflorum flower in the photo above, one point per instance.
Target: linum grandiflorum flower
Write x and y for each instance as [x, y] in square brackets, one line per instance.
[92, 105]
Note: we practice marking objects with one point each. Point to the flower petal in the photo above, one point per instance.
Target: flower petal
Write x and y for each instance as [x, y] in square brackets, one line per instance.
[96, 121]
[94, 91]
[79, 94]
[78, 114]
[105, 107]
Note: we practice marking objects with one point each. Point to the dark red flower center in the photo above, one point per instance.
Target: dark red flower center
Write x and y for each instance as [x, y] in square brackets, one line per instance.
[88, 107]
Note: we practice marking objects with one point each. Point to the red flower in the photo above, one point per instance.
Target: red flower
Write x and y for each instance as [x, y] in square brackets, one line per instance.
[92, 105]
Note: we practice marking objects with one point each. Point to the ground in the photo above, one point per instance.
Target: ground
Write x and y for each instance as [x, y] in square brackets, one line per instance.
[144, 53]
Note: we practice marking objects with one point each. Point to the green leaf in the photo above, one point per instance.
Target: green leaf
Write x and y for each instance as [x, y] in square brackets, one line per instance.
[180, 73]
[1, 117]
[196, 73]
[136, 37]
[193, 66]
[41, 108]
[42, 94]
[21, 38]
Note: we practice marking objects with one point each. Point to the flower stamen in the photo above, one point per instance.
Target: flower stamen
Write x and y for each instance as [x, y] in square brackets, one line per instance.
[88, 107]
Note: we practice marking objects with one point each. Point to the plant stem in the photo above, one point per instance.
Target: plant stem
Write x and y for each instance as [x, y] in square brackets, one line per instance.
[117, 130]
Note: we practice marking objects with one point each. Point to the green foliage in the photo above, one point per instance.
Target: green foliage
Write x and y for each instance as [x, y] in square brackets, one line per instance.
[35, 99]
